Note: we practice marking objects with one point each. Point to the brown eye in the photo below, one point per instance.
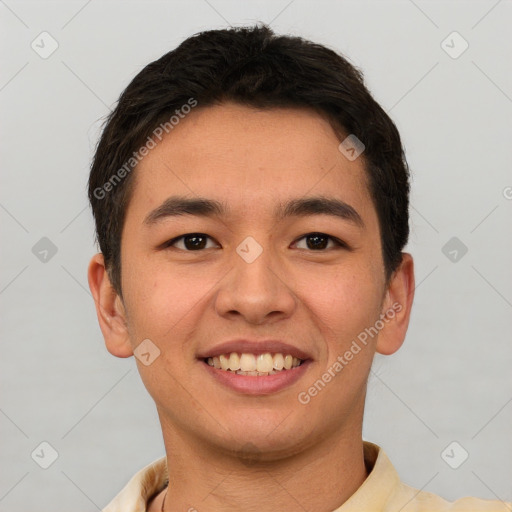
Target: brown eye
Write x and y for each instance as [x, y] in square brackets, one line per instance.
[320, 242]
[190, 242]
[317, 241]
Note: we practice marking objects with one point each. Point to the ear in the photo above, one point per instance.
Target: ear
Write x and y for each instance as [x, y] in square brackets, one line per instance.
[109, 308]
[396, 307]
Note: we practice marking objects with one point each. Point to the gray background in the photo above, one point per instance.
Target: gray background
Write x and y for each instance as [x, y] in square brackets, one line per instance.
[450, 381]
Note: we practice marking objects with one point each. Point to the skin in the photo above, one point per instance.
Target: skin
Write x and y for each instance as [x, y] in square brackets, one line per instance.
[301, 456]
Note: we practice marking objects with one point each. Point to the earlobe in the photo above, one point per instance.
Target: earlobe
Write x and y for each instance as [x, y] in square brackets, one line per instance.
[109, 308]
[397, 307]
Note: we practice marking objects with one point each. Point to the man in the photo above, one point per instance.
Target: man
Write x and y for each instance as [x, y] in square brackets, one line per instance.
[251, 206]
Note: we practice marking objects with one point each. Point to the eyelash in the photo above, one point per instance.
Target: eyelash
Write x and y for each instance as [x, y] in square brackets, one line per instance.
[339, 243]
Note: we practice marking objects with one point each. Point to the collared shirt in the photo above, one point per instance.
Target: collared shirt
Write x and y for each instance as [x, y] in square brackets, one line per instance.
[382, 491]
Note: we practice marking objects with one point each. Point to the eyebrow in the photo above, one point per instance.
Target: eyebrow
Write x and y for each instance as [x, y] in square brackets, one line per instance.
[320, 205]
[176, 206]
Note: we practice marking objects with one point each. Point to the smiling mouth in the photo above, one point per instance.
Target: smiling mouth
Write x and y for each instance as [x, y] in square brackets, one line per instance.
[253, 365]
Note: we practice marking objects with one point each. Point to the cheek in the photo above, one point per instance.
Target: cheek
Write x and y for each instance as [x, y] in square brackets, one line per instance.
[344, 305]
[159, 301]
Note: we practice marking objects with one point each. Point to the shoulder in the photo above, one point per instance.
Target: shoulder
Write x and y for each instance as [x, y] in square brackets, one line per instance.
[409, 499]
[141, 488]
[384, 491]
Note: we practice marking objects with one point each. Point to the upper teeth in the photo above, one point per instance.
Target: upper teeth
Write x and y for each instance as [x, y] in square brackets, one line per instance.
[262, 363]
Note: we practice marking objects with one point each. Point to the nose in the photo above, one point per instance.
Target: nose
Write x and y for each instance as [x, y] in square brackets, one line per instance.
[256, 290]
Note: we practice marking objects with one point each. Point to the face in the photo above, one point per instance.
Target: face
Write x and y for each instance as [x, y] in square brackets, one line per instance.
[281, 258]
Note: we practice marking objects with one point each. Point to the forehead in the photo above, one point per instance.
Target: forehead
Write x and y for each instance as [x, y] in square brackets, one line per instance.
[250, 158]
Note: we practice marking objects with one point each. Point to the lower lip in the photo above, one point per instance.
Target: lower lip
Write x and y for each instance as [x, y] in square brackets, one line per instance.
[253, 385]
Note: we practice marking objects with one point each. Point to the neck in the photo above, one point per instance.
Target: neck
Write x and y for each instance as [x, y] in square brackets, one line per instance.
[321, 477]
